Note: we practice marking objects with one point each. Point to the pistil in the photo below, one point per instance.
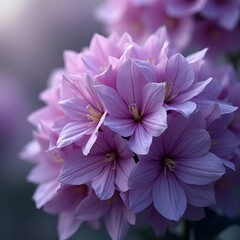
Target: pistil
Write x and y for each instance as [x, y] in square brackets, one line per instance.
[134, 111]
[93, 115]
[171, 164]
[111, 157]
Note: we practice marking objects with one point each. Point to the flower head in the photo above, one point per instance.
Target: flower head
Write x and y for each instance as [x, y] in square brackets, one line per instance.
[179, 169]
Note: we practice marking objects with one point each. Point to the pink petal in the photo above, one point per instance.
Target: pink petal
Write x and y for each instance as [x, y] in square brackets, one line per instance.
[79, 169]
[123, 171]
[67, 225]
[72, 132]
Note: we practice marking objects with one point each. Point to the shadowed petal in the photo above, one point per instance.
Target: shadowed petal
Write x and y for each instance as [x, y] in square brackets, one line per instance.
[104, 184]
[116, 222]
[168, 197]
[67, 225]
[91, 208]
[78, 169]
[193, 143]
[200, 196]
[140, 198]
[200, 171]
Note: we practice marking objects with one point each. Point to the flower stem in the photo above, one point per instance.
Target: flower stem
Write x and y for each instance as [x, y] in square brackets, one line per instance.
[187, 230]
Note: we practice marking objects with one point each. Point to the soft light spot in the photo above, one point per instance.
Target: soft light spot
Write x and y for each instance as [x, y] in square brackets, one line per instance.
[10, 9]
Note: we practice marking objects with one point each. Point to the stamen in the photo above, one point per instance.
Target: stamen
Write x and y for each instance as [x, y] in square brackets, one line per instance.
[171, 164]
[134, 111]
[114, 197]
[93, 115]
[214, 142]
[80, 189]
[57, 157]
[111, 157]
[169, 95]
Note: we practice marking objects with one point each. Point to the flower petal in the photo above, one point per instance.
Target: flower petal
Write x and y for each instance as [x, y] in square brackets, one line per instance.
[193, 143]
[140, 141]
[168, 197]
[200, 171]
[103, 184]
[91, 208]
[72, 132]
[140, 198]
[79, 169]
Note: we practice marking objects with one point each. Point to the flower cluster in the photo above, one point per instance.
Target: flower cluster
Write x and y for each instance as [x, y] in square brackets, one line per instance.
[203, 23]
[135, 131]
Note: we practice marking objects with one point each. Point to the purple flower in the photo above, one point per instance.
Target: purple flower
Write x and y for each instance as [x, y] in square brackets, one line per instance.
[47, 169]
[217, 39]
[180, 8]
[107, 166]
[135, 107]
[84, 113]
[64, 203]
[179, 169]
[143, 19]
[226, 13]
[115, 212]
[227, 186]
[181, 85]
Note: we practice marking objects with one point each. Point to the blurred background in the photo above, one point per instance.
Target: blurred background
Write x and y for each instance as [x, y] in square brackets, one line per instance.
[33, 36]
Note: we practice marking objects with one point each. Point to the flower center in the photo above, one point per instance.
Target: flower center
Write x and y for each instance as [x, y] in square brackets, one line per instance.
[111, 157]
[80, 189]
[114, 197]
[57, 157]
[134, 111]
[93, 115]
[169, 93]
[171, 164]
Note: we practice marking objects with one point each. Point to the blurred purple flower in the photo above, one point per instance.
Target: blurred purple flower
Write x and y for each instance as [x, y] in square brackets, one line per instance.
[225, 12]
